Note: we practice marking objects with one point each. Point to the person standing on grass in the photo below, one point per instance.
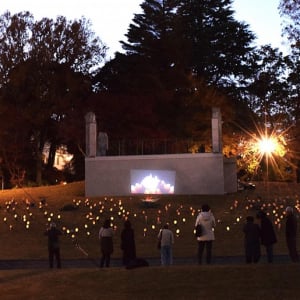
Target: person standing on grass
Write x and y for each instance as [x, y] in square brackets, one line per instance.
[291, 234]
[128, 243]
[53, 245]
[166, 238]
[106, 243]
[268, 236]
[207, 221]
[252, 241]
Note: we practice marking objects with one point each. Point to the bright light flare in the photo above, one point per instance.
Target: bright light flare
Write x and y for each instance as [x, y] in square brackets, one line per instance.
[272, 145]
[267, 145]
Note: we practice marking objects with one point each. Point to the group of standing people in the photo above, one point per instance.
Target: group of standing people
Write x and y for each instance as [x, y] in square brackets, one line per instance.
[264, 234]
[127, 243]
[128, 247]
[207, 223]
[255, 236]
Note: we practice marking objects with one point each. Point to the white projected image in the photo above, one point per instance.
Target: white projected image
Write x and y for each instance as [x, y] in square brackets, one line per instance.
[152, 182]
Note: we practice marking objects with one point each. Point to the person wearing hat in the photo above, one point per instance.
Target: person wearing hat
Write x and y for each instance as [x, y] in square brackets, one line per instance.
[291, 233]
[53, 245]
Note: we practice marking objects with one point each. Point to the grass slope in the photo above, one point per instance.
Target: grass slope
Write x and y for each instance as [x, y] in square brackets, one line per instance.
[25, 214]
[39, 206]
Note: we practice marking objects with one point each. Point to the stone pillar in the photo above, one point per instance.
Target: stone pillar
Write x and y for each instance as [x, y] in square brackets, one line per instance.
[90, 134]
[216, 128]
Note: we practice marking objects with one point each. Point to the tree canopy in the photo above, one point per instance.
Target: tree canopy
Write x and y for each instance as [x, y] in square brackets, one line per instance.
[46, 71]
[290, 12]
[180, 58]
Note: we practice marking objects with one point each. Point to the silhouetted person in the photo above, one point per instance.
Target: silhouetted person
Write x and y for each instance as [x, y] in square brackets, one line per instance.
[268, 236]
[252, 241]
[128, 243]
[53, 245]
[291, 234]
[106, 243]
[201, 148]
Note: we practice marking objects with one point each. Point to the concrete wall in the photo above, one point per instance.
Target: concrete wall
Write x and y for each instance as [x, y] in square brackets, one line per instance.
[230, 175]
[201, 173]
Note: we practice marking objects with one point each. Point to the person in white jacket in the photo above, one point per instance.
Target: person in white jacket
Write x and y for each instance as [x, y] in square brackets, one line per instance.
[207, 221]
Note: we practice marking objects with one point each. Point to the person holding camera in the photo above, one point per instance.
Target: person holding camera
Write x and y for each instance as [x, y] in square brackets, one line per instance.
[53, 245]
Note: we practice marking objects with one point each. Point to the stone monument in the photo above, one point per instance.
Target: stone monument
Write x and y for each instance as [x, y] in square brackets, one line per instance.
[91, 134]
[102, 143]
[216, 128]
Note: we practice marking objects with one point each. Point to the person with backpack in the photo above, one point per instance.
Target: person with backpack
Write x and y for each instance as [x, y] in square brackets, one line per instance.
[207, 222]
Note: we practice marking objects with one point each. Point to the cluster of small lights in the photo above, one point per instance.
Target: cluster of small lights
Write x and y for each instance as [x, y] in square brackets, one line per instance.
[275, 208]
[179, 217]
[96, 213]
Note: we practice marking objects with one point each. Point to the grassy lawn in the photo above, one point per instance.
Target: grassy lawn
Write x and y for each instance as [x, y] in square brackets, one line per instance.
[25, 213]
[176, 282]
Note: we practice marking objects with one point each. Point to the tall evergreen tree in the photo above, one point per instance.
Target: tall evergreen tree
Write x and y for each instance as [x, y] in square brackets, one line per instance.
[153, 51]
[217, 44]
[175, 50]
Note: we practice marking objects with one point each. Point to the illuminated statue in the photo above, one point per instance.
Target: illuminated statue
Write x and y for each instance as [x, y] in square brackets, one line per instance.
[102, 143]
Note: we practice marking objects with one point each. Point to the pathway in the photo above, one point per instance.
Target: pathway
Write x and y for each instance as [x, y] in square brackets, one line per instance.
[153, 261]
